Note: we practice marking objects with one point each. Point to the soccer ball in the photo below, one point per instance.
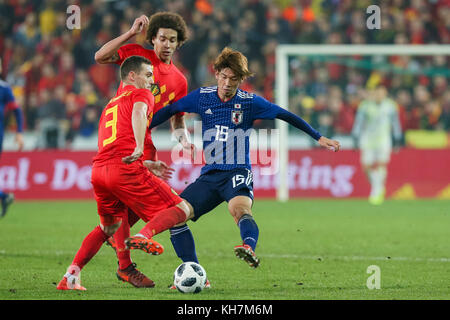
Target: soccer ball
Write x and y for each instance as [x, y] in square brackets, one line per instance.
[189, 277]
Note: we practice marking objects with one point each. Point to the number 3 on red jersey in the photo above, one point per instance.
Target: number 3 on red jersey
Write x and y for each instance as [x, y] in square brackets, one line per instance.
[111, 123]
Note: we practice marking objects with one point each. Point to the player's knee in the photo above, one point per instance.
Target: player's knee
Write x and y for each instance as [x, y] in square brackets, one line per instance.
[240, 206]
[187, 209]
[111, 229]
[239, 210]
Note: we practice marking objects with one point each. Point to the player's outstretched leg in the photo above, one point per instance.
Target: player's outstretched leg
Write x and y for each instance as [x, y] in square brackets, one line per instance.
[71, 280]
[112, 243]
[240, 208]
[145, 244]
[120, 236]
[184, 246]
[246, 253]
[162, 220]
[135, 277]
[89, 248]
[249, 234]
[127, 271]
[7, 199]
[183, 243]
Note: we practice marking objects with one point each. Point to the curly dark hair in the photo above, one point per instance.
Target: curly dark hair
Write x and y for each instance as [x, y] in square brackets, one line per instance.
[169, 20]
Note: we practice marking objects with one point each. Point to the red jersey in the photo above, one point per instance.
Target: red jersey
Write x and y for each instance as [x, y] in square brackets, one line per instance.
[172, 84]
[115, 133]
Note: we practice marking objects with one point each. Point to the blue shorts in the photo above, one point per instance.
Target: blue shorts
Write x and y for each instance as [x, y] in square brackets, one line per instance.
[215, 187]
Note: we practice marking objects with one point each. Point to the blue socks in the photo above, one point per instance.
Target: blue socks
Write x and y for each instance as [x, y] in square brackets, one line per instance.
[183, 243]
[249, 230]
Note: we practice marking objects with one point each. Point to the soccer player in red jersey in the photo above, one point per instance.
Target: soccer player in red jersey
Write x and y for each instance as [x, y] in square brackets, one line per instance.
[166, 31]
[119, 178]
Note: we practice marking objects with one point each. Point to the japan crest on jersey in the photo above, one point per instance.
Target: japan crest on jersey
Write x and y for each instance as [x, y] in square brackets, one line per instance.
[237, 114]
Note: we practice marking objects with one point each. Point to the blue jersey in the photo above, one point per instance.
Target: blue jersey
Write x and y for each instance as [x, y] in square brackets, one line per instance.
[6, 98]
[226, 126]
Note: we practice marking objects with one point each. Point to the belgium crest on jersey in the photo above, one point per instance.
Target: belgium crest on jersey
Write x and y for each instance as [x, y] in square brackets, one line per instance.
[155, 89]
[237, 114]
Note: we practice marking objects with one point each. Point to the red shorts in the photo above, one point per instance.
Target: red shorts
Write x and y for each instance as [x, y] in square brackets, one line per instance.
[118, 186]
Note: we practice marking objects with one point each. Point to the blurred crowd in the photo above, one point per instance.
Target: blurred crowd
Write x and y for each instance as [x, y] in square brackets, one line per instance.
[62, 90]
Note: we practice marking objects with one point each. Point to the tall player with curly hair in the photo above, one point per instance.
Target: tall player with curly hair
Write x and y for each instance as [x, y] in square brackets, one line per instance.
[166, 32]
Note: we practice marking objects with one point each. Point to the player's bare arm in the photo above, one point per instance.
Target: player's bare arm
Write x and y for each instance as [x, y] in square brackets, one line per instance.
[139, 123]
[108, 52]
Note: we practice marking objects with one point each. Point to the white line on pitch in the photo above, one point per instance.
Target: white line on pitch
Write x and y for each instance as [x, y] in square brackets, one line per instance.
[331, 257]
[289, 256]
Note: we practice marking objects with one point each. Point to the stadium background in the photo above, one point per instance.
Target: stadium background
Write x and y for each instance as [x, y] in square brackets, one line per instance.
[62, 90]
[323, 248]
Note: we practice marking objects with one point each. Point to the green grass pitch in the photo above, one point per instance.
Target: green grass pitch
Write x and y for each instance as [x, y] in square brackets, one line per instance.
[309, 249]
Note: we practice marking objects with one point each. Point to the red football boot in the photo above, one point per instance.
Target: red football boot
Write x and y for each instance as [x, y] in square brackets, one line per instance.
[246, 253]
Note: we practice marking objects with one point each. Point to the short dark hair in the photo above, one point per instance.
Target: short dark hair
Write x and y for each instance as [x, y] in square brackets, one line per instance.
[234, 60]
[133, 63]
[167, 20]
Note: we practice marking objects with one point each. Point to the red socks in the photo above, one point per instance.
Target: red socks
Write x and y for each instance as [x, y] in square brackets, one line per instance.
[162, 221]
[90, 246]
[123, 255]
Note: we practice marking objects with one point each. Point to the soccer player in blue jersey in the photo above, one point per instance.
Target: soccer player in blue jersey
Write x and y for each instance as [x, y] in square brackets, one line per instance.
[226, 176]
[7, 102]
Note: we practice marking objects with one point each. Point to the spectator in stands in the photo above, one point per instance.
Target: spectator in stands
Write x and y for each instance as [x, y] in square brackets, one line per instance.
[31, 114]
[28, 33]
[75, 106]
[48, 79]
[444, 120]
[51, 117]
[431, 115]
[66, 70]
[89, 121]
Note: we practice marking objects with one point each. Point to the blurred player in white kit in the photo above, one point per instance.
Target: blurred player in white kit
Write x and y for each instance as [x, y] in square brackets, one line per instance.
[376, 122]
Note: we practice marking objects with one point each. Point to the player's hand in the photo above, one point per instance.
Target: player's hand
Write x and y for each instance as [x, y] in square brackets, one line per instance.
[19, 140]
[330, 144]
[139, 24]
[159, 169]
[190, 147]
[137, 153]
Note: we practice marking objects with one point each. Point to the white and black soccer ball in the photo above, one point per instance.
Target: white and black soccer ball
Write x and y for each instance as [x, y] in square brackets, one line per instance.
[189, 277]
